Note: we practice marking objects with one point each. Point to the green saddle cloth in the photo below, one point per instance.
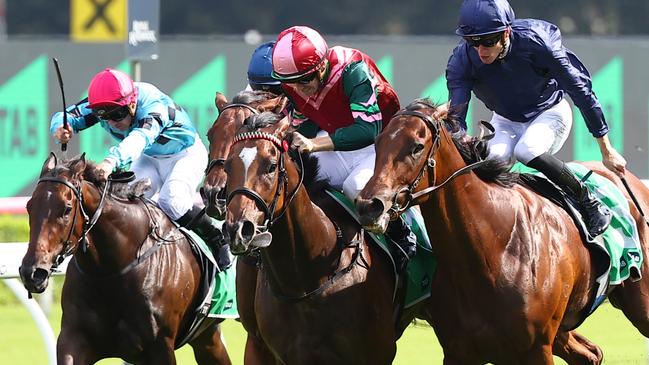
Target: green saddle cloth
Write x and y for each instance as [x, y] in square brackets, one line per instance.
[421, 268]
[223, 302]
[621, 238]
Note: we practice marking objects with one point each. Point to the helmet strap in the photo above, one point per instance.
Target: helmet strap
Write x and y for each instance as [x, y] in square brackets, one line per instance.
[505, 41]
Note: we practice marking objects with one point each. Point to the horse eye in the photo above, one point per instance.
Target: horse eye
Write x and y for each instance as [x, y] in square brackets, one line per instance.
[67, 210]
[272, 167]
[417, 149]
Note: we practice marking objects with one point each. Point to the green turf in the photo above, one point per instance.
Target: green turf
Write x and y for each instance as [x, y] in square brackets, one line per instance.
[622, 344]
[20, 342]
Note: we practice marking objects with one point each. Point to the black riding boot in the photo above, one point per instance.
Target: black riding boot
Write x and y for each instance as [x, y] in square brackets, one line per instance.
[204, 226]
[405, 240]
[595, 214]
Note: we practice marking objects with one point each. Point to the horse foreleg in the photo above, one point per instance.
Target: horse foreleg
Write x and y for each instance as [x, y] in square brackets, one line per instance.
[73, 349]
[576, 349]
[160, 352]
[257, 352]
[208, 347]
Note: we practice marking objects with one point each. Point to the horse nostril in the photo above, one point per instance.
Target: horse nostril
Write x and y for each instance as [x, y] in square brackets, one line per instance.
[376, 207]
[40, 275]
[220, 194]
[247, 230]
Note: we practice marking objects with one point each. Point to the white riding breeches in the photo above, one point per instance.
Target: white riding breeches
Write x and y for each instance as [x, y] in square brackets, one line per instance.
[524, 141]
[174, 178]
[348, 171]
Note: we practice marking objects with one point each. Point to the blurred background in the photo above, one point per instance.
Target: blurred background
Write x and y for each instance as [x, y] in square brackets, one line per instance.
[193, 49]
[376, 17]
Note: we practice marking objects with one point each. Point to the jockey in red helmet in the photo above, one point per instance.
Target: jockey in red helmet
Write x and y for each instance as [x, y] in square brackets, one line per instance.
[346, 100]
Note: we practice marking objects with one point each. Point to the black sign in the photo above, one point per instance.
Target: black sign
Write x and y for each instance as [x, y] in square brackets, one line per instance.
[143, 29]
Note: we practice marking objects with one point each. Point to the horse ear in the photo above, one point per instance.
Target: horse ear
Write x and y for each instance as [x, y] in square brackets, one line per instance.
[282, 127]
[49, 164]
[275, 105]
[79, 166]
[220, 101]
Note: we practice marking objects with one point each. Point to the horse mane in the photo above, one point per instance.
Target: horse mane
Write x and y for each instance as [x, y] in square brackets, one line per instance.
[314, 186]
[119, 190]
[248, 97]
[261, 120]
[473, 149]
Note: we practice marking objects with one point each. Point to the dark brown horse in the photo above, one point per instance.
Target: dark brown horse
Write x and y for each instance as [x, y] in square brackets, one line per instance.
[221, 135]
[323, 296]
[497, 244]
[132, 287]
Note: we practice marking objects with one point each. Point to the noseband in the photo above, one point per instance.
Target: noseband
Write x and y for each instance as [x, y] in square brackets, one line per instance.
[282, 184]
[221, 161]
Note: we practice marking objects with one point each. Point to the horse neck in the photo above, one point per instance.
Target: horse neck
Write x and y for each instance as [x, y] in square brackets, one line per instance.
[459, 214]
[114, 240]
[304, 245]
[221, 147]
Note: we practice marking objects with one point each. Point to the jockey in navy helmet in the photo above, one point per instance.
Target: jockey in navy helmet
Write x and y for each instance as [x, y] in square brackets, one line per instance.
[521, 71]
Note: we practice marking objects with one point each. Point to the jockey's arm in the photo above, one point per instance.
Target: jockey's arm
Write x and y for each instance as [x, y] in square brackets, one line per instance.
[79, 118]
[459, 84]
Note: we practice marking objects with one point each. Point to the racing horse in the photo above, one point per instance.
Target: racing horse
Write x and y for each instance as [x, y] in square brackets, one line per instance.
[324, 295]
[220, 135]
[497, 241]
[132, 286]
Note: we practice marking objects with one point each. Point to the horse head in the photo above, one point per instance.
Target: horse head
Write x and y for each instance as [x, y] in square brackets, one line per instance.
[56, 220]
[404, 150]
[221, 135]
[257, 182]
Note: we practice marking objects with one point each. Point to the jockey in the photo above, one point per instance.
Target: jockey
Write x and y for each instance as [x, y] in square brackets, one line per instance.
[346, 100]
[521, 71]
[156, 136]
[260, 70]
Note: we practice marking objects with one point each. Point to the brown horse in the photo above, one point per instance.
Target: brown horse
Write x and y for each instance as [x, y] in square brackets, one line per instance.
[499, 244]
[132, 286]
[221, 135]
[324, 295]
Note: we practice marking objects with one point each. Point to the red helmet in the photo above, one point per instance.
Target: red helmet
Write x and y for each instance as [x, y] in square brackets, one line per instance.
[298, 52]
[111, 88]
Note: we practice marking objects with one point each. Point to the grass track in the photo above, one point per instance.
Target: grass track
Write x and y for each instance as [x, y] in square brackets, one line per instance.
[622, 344]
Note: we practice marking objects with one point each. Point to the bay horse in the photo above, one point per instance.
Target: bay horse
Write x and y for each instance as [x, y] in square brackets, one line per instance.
[324, 295]
[498, 243]
[132, 286]
[220, 135]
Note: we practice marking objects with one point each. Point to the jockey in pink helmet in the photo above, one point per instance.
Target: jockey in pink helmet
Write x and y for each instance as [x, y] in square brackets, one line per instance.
[341, 102]
[155, 136]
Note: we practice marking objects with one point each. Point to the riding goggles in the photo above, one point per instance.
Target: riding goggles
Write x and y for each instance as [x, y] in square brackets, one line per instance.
[115, 114]
[488, 40]
[304, 80]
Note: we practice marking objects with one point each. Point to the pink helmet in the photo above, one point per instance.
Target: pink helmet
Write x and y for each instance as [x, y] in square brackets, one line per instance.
[298, 51]
[111, 88]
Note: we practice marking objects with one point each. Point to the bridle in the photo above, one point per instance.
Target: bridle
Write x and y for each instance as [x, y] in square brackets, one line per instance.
[221, 160]
[88, 223]
[282, 183]
[270, 219]
[409, 191]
